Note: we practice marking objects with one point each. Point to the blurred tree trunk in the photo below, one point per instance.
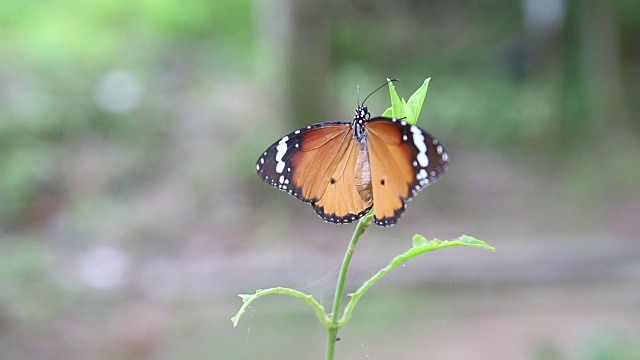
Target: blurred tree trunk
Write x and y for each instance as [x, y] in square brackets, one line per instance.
[309, 59]
[273, 34]
[593, 97]
[601, 41]
[575, 103]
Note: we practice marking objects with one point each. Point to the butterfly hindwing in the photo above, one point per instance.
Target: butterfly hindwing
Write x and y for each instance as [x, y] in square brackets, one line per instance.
[341, 203]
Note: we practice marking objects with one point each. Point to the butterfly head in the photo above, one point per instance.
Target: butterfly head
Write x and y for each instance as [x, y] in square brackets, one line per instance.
[361, 115]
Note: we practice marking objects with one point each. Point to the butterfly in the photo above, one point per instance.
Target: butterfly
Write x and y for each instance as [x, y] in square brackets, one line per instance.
[343, 169]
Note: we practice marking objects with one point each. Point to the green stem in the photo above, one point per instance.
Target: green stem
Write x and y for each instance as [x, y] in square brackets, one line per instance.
[334, 325]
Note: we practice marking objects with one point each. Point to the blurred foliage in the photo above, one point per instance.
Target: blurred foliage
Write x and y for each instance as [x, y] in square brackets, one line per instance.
[54, 35]
[610, 345]
[54, 54]
[24, 278]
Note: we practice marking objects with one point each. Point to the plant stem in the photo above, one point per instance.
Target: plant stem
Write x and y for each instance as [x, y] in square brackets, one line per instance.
[334, 326]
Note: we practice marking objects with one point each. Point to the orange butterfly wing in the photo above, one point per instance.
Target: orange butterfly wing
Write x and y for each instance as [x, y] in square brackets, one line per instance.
[403, 160]
[317, 165]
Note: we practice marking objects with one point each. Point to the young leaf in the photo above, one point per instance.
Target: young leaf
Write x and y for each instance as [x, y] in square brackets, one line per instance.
[408, 113]
[247, 299]
[396, 104]
[420, 246]
[407, 110]
[417, 99]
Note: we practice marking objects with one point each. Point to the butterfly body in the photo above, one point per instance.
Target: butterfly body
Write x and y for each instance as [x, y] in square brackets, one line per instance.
[344, 168]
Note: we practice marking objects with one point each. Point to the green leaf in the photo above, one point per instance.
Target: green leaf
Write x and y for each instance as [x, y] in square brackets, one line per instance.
[408, 113]
[420, 246]
[417, 99]
[419, 240]
[396, 104]
[247, 299]
[407, 110]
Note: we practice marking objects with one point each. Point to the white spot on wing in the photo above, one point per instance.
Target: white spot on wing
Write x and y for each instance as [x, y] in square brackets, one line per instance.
[281, 149]
[418, 141]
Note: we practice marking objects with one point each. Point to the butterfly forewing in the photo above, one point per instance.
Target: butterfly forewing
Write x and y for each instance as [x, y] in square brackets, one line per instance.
[323, 152]
[404, 159]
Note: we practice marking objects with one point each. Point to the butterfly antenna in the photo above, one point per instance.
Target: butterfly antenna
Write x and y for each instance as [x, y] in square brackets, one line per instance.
[380, 87]
[358, 95]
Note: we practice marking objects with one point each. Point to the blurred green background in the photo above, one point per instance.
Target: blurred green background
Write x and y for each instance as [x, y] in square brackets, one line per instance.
[131, 216]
